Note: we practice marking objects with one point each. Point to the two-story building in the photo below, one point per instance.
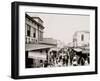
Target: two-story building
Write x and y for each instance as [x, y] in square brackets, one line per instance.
[81, 39]
[36, 47]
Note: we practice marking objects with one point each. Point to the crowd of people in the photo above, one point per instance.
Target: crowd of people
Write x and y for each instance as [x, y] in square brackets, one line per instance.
[68, 57]
[63, 58]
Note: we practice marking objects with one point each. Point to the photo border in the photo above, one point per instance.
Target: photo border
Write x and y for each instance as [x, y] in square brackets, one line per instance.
[15, 39]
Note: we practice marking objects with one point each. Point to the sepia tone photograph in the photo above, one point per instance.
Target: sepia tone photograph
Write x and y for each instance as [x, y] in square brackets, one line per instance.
[50, 40]
[56, 40]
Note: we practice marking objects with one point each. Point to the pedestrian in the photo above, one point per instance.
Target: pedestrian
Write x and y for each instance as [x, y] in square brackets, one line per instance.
[45, 64]
[41, 63]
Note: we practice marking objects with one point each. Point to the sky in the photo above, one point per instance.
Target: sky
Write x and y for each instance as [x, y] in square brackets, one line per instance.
[62, 26]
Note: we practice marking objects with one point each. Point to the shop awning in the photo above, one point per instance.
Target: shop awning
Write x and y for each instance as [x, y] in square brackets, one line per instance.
[85, 51]
[37, 55]
[31, 47]
[77, 49]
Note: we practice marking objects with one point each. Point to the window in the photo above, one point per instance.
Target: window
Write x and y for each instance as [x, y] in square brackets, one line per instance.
[28, 30]
[34, 35]
[82, 37]
[34, 32]
[26, 40]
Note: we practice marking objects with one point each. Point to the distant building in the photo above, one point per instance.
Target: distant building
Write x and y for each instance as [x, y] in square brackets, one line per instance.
[81, 39]
[36, 47]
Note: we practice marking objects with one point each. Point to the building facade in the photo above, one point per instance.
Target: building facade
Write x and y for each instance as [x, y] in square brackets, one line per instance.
[33, 29]
[36, 47]
[81, 38]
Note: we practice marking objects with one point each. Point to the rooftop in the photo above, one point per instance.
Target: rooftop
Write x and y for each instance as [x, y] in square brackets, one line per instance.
[31, 18]
[85, 31]
[48, 41]
[38, 18]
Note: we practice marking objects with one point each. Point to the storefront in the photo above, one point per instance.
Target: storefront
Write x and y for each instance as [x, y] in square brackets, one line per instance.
[37, 55]
[38, 58]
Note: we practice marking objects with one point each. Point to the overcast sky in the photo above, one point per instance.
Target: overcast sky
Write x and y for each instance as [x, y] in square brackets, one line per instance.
[62, 27]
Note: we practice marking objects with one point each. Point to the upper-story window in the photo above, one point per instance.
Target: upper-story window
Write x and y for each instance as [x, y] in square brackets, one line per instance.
[40, 35]
[34, 32]
[28, 30]
[82, 37]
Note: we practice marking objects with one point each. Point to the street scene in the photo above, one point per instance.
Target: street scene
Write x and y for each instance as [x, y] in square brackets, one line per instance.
[45, 47]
